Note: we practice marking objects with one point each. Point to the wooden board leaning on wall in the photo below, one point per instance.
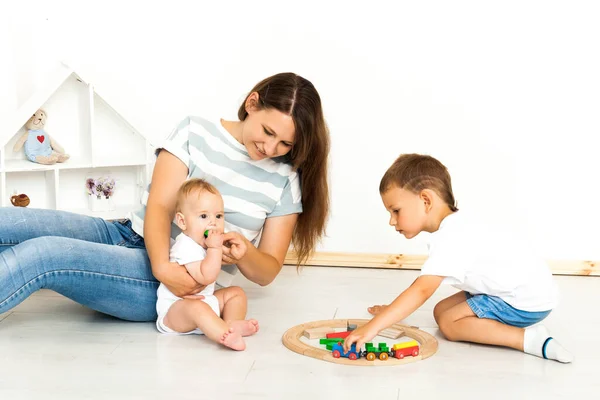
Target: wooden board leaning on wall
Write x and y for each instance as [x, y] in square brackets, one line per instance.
[414, 262]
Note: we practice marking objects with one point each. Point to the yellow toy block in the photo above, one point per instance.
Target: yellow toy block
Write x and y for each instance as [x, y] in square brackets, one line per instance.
[404, 345]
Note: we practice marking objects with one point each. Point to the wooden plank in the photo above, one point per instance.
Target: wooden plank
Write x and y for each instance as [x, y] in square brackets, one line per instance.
[415, 261]
[316, 333]
[392, 333]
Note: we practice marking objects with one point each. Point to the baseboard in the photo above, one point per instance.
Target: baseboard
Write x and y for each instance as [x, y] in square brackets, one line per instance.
[414, 262]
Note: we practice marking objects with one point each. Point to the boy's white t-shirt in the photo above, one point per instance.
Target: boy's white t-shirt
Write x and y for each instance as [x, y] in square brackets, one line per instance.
[185, 250]
[479, 260]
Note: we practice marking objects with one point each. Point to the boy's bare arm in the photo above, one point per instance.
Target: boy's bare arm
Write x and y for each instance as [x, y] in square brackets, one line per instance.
[408, 301]
[206, 271]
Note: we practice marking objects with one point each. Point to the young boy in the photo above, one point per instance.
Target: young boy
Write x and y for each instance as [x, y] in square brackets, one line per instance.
[504, 289]
[199, 210]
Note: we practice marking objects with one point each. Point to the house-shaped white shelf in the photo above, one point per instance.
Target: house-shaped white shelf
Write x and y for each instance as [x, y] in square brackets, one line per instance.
[98, 139]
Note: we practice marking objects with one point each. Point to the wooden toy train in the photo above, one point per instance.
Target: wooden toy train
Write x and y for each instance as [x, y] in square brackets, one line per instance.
[371, 352]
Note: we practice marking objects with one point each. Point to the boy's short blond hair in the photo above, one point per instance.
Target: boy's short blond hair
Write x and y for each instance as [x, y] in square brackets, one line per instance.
[191, 186]
[415, 172]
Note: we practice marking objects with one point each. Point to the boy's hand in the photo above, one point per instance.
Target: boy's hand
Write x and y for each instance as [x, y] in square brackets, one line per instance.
[214, 239]
[360, 336]
[374, 310]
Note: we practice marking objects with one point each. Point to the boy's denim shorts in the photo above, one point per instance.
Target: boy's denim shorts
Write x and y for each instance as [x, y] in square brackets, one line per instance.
[493, 307]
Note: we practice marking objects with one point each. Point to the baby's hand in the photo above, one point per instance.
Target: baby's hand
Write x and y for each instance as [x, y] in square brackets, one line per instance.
[214, 239]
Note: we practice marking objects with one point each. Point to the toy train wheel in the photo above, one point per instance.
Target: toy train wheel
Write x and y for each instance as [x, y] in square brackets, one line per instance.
[383, 356]
[371, 356]
[336, 354]
[399, 355]
[352, 356]
[415, 352]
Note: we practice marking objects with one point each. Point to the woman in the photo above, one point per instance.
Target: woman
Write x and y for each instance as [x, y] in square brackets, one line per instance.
[270, 166]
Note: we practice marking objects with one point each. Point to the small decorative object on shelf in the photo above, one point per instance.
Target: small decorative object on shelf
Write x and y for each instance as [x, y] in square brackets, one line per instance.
[20, 200]
[100, 193]
[40, 147]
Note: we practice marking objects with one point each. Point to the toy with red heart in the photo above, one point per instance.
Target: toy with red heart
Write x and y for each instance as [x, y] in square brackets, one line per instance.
[40, 147]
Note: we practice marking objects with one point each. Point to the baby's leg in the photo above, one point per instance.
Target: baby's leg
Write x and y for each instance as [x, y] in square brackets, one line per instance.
[186, 315]
[233, 305]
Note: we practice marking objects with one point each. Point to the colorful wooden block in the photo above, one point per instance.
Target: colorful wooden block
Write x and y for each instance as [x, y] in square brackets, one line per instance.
[403, 345]
[331, 341]
[341, 335]
[316, 333]
[392, 333]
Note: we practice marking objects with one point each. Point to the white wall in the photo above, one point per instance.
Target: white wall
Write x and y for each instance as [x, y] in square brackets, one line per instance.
[506, 94]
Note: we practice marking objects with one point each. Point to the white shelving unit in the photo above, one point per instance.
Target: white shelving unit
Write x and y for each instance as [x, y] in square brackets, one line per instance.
[98, 139]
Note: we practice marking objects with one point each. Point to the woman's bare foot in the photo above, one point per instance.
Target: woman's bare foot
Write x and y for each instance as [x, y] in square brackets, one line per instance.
[244, 327]
[374, 310]
[233, 340]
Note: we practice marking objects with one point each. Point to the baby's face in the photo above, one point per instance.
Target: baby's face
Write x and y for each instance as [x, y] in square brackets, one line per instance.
[202, 211]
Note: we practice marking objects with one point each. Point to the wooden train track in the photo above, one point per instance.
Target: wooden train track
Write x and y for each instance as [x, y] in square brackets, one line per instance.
[291, 339]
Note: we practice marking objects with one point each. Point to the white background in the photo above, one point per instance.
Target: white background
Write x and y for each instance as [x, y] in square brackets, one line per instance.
[506, 94]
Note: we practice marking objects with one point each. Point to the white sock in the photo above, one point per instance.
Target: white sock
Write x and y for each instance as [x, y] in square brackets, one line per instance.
[538, 342]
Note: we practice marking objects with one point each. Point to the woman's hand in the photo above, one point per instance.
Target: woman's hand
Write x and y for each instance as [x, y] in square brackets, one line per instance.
[176, 278]
[235, 247]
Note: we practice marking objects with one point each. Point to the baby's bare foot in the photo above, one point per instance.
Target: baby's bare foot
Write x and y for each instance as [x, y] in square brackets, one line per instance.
[244, 327]
[233, 340]
[374, 310]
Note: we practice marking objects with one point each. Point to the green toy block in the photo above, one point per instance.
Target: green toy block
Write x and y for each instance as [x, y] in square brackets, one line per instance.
[331, 341]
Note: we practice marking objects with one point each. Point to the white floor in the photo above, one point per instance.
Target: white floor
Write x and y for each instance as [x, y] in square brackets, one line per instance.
[52, 348]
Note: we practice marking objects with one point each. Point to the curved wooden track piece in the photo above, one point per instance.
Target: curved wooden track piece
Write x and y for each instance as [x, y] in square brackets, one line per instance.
[291, 339]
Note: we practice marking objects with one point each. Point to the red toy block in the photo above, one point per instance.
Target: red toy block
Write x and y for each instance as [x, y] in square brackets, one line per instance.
[338, 335]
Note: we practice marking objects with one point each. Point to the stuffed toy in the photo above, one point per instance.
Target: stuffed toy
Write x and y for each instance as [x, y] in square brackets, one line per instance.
[39, 146]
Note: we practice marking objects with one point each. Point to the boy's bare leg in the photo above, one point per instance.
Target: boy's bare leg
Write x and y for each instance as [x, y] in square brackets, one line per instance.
[233, 304]
[459, 323]
[186, 315]
[447, 304]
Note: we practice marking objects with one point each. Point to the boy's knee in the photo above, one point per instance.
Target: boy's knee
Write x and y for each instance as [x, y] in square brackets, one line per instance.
[447, 328]
[438, 310]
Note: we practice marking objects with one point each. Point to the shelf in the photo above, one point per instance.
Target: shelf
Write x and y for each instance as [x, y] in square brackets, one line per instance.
[26, 165]
[100, 141]
[52, 83]
[117, 163]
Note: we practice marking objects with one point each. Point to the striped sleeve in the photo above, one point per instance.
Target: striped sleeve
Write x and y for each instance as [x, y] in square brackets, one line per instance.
[178, 143]
[291, 198]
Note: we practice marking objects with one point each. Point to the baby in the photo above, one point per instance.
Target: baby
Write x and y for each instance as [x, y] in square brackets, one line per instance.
[200, 216]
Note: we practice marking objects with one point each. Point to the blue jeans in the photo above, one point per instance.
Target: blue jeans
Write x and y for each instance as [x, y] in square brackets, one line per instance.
[100, 264]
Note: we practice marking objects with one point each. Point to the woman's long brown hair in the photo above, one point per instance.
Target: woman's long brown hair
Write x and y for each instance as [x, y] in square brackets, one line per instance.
[295, 96]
